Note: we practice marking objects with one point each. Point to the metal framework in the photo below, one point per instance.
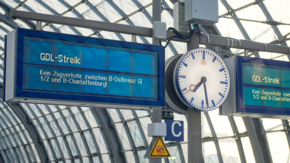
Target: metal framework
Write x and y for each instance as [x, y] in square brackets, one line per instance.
[37, 140]
[212, 39]
[147, 32]
[110, 133]
[214, 136]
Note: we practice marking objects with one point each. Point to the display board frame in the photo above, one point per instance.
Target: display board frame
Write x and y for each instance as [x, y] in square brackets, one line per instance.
[234, 105]
[14, 67]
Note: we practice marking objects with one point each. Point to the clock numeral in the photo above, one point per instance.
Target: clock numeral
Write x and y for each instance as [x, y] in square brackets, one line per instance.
[192, 56]
[203, 55]
[184, 63]
[222, 69]
[213, 103]
[214, 59]
[223, 82]
[181, 76]
[202, 104]
[184, 89]
[221, 95]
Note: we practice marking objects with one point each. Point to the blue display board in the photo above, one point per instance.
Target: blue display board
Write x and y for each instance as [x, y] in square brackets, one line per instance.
[56, 67]
[263, 86]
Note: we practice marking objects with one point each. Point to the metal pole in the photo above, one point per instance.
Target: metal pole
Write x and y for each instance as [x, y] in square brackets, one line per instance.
[157, 113]
[134, 38]
[194, 120]
[156, 16]
[246, 52]
[38, 25]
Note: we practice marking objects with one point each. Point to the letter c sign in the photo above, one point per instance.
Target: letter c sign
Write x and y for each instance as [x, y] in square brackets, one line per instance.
[174, 130]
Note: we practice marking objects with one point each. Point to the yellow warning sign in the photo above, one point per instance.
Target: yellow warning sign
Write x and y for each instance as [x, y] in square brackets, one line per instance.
[159, 149]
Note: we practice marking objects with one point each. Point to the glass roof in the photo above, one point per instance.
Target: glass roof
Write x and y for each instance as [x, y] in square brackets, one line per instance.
[83, 134]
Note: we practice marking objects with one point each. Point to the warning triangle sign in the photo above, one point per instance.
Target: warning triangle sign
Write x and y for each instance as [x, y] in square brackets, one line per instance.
[159, 149]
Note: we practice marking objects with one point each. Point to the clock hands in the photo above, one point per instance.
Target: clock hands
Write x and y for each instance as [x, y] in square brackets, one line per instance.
[196, 87]
[203, 79]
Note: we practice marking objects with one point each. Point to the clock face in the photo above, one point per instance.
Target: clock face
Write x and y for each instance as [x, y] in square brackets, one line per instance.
[202, 79]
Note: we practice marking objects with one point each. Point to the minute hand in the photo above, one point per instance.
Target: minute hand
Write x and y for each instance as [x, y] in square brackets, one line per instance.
[197, 86]
[203, 79]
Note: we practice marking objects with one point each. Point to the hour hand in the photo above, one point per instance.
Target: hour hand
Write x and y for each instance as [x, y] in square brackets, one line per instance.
[195, 87]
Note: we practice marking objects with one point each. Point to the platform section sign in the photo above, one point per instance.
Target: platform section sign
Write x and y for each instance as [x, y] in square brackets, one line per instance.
[65, 69]
[262, 88]
[174, 130]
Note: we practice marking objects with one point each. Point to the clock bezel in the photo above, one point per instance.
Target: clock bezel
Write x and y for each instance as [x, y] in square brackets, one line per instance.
[176, 86]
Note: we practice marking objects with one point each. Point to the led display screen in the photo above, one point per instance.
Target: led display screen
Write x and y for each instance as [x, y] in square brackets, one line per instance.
[267, 86]
[58, 66]
[263, 86]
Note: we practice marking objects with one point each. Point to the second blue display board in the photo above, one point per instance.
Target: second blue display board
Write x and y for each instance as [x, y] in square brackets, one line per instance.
[264, 86]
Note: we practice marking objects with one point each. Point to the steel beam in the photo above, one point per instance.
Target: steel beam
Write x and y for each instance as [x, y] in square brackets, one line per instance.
[212, 30]
[5, 18]
[120, 28]
[56, 13]
[59, 129]
[110, 134]
[143, 136]
[238, 139]
[18, 135]
[4, 29]
[72, 116]
[99, 25]
[72, 8]
[40, 126]
[238, 22]
[23, 117]
[49, 127]
[1, 48]
[240, 8]
[1, 159]
[258, 140]
[242, 44]
[95, 144]
[125, 17]
[97, 12]
[140, 127]
[7, 116]
[69, 129]
[269, 18]
[5, 141]
[147, 32]
[128, 133]
[143, 10]
[8, 21]
[287, 133]
[216, 142]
